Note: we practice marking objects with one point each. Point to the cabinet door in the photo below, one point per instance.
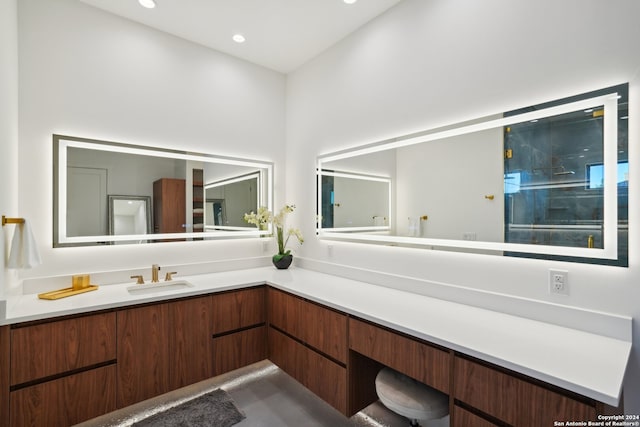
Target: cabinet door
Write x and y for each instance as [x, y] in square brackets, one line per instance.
[326, 379]
[189, 341]
[512, 399]
[238, 309]
[76, 343]
[323, 377]
[143, 355]
[423, 362]
[320, 327]
[287, 354]
[285, 312]
[463, 418]
[65, 401]
[5, 351]
[325, 330]
[233, 351]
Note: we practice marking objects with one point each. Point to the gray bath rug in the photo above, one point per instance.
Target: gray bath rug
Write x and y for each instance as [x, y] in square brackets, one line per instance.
[215, 409]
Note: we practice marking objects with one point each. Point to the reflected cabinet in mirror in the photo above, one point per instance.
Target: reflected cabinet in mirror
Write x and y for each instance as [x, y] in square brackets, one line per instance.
[115, 193]
[547, 181]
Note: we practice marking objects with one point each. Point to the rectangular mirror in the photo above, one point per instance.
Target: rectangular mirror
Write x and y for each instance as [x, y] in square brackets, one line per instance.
[168, 187]
[547, 181]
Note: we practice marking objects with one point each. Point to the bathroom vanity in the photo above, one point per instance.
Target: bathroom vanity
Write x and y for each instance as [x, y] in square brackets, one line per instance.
[73, 359]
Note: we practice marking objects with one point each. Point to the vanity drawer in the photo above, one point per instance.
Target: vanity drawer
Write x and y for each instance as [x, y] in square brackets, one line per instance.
[65, 401]
[285, 312]
[238, 349]
[423, 362]
[238, 309]
[325, 378]
[463, 418]
[46, 349]
[322, 328]
[514, 400]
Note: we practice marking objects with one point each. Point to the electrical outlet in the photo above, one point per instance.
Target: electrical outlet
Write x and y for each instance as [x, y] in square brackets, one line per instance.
[469, 235]
[559, 282]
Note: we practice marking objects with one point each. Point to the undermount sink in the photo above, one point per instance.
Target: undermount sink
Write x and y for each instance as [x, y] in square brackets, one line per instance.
[150, 288]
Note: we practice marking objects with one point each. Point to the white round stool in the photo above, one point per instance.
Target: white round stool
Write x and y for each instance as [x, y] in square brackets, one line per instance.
[420, 403]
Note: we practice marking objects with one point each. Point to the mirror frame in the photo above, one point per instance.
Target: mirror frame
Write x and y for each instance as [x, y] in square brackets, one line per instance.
[610, 226]
[62, 142]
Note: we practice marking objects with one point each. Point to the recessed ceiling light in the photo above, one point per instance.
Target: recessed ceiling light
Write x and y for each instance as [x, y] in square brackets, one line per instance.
[239, 38]
[149, 4]
[349, 1]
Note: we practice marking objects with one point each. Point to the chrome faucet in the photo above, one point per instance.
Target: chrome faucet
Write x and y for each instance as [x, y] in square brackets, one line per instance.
[154, 273]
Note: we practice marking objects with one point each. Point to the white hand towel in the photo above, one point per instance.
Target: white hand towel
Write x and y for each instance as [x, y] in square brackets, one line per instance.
[24, 250]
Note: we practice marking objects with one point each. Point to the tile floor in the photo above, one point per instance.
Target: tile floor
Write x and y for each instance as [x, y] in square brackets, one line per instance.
[267, 396]
[273, 398]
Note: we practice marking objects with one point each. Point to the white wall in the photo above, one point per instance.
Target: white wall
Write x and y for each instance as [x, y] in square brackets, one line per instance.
[428, 63]
[8, 130]
[87, 73]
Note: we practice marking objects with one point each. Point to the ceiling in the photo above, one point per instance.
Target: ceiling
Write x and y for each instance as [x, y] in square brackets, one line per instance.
[280, 34]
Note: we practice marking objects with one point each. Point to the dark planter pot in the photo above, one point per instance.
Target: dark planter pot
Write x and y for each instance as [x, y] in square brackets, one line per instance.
[283, 263]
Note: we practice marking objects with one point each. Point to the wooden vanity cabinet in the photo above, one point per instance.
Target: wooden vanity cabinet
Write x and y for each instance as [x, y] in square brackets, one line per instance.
[190, 341]
[462, 417]
[143, 353]
[5, 355]
[424, 362]
[5, 366]
[239, 331]
[65, 401]
[321, 327]
[162, 347]
[235, 310]
[62, 372]
[323, 376]
[45, 349]
[512, 398]
[373, 347]
[309, 342]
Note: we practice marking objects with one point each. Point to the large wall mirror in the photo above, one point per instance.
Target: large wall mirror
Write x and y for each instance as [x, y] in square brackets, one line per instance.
[114, 193]
[546, 181]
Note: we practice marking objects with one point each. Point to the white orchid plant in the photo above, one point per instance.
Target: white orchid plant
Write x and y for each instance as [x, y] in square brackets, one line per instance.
[265, 216]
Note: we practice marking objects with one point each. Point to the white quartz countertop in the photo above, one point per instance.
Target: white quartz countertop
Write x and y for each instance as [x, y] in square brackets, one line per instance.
[582, 362]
